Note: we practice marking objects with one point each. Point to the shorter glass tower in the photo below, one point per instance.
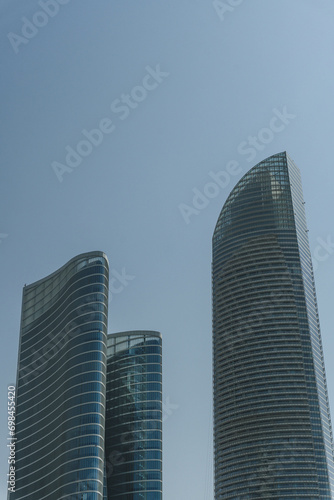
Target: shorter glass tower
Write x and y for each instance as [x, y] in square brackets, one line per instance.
[134, 416]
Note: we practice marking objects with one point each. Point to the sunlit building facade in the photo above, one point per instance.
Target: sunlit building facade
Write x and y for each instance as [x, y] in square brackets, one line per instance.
[134, 416]
[272, 427]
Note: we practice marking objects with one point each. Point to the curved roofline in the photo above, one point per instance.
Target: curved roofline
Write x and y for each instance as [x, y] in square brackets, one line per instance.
[81, 256]
[153, 333]
[240, 180]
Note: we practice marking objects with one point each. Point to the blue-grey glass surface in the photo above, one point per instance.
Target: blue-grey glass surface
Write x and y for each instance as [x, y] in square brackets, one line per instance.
[134, 416]
[61, 383]
[272, 427]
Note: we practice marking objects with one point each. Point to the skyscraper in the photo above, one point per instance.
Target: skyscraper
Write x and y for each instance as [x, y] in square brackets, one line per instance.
[134, 416]
[60, 407]
[272, 428]
[68, 446]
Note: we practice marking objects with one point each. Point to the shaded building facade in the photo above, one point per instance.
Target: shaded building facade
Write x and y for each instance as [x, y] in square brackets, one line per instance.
[272, 427]
[60, 405]
[88, 405]
[134, 416]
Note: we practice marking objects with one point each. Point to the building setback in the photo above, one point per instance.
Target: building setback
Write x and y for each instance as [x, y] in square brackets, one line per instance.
[272, 428]
[61, 428]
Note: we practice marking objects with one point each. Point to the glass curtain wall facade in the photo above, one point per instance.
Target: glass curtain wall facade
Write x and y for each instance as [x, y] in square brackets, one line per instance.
[272, 427]
[134, 416]
[60, 419]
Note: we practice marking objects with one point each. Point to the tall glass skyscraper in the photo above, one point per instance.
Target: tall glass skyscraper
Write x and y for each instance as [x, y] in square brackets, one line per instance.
[60, 407]
[134, 416]
[272, 428]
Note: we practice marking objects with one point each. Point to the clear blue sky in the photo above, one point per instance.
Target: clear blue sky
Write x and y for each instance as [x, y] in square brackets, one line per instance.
[201, 87]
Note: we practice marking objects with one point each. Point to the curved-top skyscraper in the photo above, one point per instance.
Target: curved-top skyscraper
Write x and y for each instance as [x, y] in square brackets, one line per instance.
[272, 428]
[60, 420]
